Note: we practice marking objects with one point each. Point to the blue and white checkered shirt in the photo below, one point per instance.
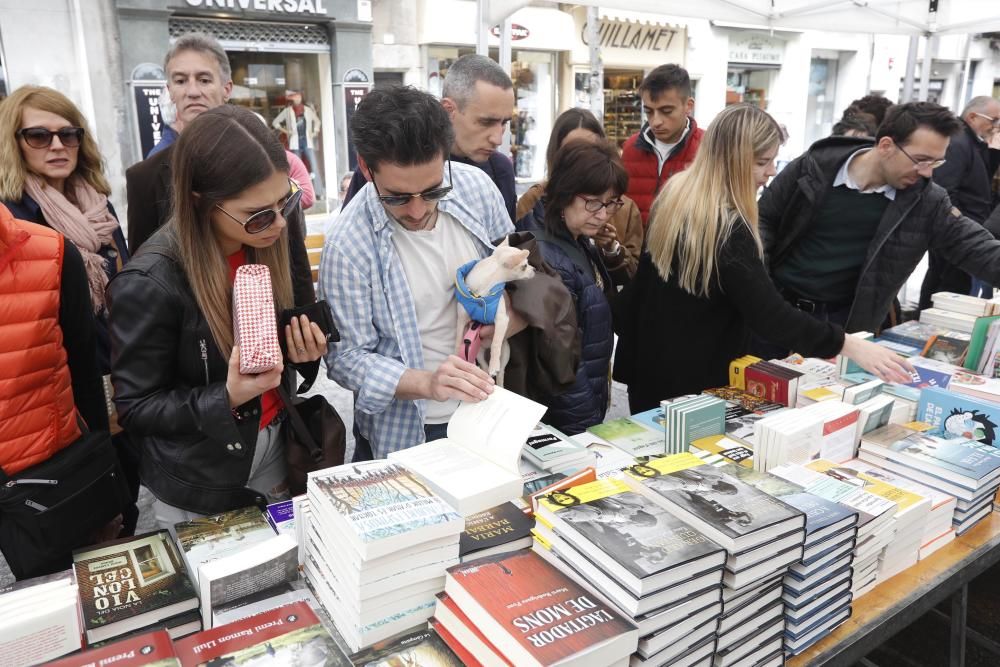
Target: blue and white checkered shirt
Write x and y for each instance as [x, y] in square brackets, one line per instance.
[363, 280]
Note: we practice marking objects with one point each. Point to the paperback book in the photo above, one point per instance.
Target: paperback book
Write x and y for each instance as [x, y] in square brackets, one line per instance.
[499, 529]
[150, 649]
[39, 619]
[629, 436]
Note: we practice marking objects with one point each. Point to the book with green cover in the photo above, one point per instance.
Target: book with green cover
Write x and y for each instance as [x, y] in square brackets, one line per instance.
[980, 331]
[629, 436]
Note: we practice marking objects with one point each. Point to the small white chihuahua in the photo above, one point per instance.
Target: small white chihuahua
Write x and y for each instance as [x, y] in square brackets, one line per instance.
[506, 264]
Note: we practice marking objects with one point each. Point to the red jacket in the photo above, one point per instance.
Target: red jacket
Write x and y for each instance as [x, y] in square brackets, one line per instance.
[37, 414]
[640, 161]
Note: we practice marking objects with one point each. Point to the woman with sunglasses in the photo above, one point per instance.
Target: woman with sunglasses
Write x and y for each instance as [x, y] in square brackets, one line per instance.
[55, 178]
[582, 194]
[211, 438]
[702, 286]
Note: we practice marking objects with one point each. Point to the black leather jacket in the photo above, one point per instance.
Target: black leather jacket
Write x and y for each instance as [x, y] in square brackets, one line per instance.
[170, 387]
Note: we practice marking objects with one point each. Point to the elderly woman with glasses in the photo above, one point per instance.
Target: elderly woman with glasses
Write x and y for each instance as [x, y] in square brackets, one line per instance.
[572, 223]
[211, 437]
[54, 177]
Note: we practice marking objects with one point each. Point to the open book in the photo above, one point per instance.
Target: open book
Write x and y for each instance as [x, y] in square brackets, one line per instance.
[476, 466]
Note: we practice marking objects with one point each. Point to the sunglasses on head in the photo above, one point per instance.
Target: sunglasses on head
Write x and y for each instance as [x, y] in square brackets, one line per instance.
[39, 137]
[261, 220]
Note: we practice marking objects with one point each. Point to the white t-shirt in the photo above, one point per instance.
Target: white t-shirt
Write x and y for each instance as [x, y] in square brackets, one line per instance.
[429, 260]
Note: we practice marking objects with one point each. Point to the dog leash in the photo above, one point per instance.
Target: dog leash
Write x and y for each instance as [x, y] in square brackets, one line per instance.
[471, 342]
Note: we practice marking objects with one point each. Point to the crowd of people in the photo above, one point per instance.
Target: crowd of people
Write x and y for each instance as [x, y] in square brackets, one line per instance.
[685, 244]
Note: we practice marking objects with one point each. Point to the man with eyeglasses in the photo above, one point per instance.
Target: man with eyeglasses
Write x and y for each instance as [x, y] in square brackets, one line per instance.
[972, 159]
[388, 272]
[845, 224]
[479, 98]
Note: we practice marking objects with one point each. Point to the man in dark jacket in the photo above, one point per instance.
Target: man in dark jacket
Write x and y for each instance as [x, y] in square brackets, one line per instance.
[844, 225]
[967, 176]
[199, 78]
[668, 140]
[479, 98]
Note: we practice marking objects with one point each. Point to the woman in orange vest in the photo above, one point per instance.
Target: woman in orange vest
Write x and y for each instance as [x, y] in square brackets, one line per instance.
[211, 438]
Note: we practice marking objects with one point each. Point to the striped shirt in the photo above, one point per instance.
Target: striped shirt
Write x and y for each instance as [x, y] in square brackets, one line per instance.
[363, 280]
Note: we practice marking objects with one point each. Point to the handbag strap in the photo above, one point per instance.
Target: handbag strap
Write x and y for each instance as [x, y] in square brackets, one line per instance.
[299, 425]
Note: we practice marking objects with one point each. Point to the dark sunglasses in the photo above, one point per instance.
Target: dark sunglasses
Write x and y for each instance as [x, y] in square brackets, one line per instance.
[434, 194]
[39, 137]
[261, 220]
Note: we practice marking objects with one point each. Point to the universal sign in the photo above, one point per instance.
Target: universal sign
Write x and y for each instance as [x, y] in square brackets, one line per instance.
[282, 6]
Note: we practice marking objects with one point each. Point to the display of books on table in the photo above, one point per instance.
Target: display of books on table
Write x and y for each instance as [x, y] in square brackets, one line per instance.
[630, 437]
[688, 419]
[500, 529]
[551, 449]
[131, 583]
[476, 466]
[39, 619]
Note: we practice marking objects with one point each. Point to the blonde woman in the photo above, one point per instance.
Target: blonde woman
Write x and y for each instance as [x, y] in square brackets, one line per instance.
[211, 437]
[701, 286]
[54, 177]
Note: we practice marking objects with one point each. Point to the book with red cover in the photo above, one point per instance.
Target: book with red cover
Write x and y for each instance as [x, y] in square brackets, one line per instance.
[464, 632]
[151, 649]
[463, 654]
[772, 382]
[536, 615]
[288, 635]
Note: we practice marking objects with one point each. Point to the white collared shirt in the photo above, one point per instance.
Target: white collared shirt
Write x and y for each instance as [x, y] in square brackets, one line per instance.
[844, 178]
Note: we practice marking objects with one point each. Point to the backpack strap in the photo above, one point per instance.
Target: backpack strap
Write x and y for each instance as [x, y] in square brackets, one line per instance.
[572, 250]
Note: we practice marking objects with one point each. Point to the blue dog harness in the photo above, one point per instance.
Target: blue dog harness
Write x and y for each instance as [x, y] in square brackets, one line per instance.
[480, 308]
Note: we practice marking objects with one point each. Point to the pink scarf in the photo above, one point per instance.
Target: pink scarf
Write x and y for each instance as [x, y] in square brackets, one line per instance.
[88, 224]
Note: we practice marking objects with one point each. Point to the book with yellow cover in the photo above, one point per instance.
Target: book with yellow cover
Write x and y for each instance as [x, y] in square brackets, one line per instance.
[725, 449]
[737, 368]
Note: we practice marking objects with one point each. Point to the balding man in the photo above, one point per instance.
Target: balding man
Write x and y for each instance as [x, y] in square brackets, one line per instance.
[966, 175]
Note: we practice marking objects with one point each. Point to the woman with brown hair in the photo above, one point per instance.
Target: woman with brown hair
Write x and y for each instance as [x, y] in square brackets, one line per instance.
[582, 194]
[211, 437]
[624, 233]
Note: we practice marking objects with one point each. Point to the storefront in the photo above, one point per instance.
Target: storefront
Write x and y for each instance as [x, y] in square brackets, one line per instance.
[538, 35]
[754, 61]
[631, 45]
[289, 62]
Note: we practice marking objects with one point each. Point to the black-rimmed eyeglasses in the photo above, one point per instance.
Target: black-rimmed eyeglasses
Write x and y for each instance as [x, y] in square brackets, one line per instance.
[40, 137]
[402, 199]
[261, 220]
[922, 164]
[593, 205]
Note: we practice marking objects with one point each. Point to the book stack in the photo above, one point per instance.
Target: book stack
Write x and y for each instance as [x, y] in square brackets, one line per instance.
[876, 525]
[816, 591]
[131, 583]
[498, 530]
[517, 609]
[976, 386]
[743, 411]
[289, 635]
[422, 646]
[737, 370]
[938, 530]
[378, 543]
[947, 319]
[874, 413]
[966, 469]
[39, 619]
[965, 304]
[955, 415]
[690, 418]
[913, 334]
[149, 649]
[234, 554]
[912, 514]
[630, 436]
[654, 568]
[550, 449]
[262, 601]
[762, 536]
[826, 429]
[774, 382]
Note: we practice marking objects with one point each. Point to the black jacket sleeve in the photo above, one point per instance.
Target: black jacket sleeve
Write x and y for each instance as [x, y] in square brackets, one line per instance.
[76, 319]
[955, 169]
[745, 283]
[302, 282]
[503, 175]
[358, 181]
[142, 193]
[965, 243]
[773, 205]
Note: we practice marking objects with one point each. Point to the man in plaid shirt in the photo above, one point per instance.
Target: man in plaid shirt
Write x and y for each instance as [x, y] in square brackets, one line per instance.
[388, 272]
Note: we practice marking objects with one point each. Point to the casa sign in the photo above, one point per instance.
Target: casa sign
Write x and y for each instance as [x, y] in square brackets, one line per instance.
[282, 6]
[756, 49]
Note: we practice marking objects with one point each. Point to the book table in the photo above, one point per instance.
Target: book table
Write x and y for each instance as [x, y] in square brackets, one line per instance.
[893, 605]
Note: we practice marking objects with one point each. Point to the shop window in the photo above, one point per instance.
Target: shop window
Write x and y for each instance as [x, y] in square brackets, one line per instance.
[622, 104]
[748, 86]
[820, 110]
[284, 88]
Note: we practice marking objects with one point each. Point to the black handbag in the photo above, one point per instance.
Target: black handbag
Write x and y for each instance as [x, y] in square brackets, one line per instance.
[58, 505]
[316, 438]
